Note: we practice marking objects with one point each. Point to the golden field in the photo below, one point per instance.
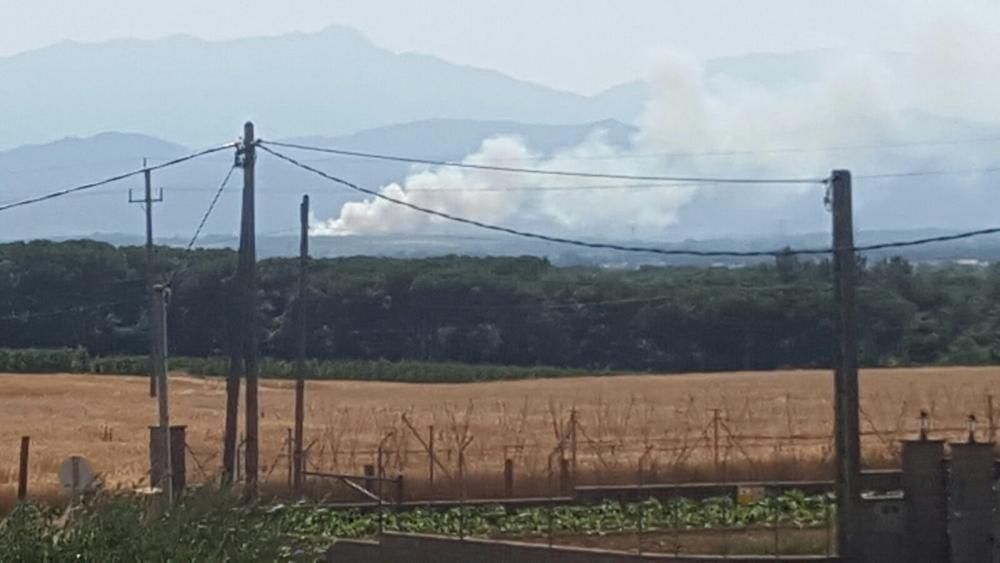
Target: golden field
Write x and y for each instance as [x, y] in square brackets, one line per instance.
[769, 425]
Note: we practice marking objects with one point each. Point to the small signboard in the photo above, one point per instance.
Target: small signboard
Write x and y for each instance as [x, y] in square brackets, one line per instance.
[77, 476]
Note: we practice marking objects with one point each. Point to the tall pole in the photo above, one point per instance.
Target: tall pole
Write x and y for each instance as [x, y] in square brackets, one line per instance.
[300, 341]
[160, 296]
[233, 375]
[248, 269]
[148, 202]
[230, 449]
[846, 407]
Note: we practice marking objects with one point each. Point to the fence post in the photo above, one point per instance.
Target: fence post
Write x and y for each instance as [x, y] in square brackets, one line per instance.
[461, 492]
[22, 473]
[715, 441]
[990, 420]
[564, 478]
[430, 461]
[640, 506]
[293, 479]
[572, 443]
[369, 477]
[379, 475]
[508, 477]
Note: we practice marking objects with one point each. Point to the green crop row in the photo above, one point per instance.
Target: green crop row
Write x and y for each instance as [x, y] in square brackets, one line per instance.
[792, 509]
[75, 360]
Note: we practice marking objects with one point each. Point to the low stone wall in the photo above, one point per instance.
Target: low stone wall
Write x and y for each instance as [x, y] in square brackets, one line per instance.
[416, 548]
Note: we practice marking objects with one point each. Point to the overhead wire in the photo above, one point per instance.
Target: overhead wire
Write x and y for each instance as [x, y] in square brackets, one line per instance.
[537, 236]
[211, 207]
[922, 173]
[544, 172]
[92, 185]
[628, 248]
[776, 150]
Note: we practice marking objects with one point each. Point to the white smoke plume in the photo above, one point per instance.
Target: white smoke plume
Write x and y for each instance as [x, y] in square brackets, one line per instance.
[852, 116]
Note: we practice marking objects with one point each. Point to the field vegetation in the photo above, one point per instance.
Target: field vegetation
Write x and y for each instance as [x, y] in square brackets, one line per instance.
[629, 428]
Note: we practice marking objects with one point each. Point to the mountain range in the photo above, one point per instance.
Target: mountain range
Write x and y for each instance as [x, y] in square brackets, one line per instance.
[334, 88]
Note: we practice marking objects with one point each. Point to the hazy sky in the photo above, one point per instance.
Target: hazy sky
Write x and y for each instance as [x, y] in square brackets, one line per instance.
[581, 45]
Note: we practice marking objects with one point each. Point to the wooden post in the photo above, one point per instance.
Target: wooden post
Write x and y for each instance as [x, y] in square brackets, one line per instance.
[508, 477]
[564, 478]
[300, 341]
[430, 462]
[846, 407]
[572, 442]
[715, 440]
[990, 419]
[369, 477]
[248, 276]
[161, 294]
[230, 451]
[290, 453]
[22, 470]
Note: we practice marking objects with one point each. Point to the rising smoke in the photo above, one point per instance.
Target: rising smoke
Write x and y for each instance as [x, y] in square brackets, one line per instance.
[871, 114]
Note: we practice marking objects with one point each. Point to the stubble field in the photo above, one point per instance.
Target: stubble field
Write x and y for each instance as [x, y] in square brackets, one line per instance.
[610, 429]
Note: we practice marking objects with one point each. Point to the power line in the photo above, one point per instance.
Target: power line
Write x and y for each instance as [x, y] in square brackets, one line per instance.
[574, 174]
[928, 240]
[922, 173]
[626, 248]
[752, 152]
[536, 236]
[211, 206]
[92, 185]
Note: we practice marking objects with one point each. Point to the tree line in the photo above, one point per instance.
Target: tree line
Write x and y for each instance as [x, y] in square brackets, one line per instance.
[499, 310]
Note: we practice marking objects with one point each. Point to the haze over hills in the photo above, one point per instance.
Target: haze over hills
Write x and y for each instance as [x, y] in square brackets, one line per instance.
[36, 169]
[760, 115]
[198, 92]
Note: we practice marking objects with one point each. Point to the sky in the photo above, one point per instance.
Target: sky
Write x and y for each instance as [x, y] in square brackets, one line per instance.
[579, 45]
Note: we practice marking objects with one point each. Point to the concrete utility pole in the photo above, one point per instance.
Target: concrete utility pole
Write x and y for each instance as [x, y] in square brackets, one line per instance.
[300, 344]
[160, 296]
[248, 276]
[148, 202]
[846, 407]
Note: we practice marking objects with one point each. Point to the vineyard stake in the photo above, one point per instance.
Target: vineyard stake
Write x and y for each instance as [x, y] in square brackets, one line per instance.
[22, 474]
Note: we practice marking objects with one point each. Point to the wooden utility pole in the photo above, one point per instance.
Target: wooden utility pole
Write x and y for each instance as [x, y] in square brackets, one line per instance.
[846, 407]
[147, 203]
[233, 375]
[248, 276]
[300, 341]
[160, 296]
[230, 449]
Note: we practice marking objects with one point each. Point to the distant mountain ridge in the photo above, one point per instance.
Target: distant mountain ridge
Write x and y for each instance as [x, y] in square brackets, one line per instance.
[37, 169]
[195, 91]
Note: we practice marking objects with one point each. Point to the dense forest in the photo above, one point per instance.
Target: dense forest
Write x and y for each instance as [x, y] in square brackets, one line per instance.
[515, 311]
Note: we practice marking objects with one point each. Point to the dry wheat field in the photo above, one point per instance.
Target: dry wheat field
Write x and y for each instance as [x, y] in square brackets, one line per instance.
[610, 429]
